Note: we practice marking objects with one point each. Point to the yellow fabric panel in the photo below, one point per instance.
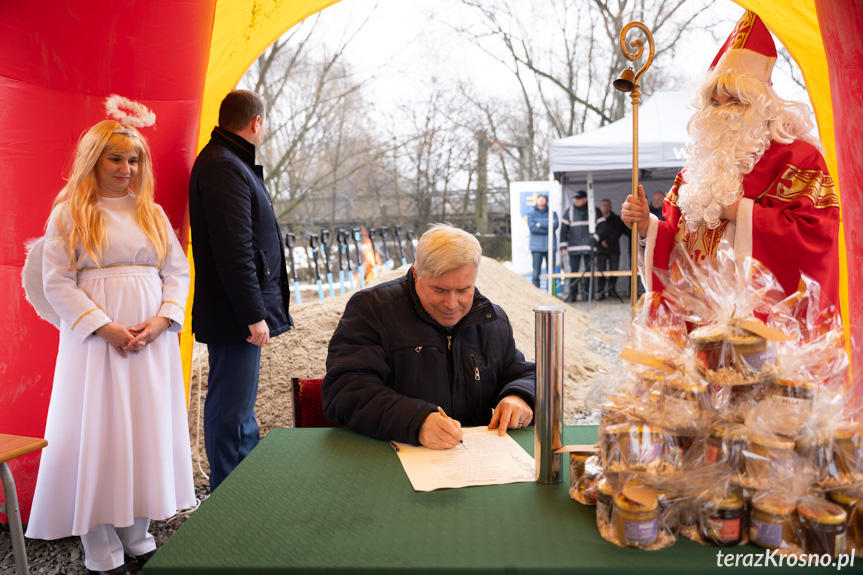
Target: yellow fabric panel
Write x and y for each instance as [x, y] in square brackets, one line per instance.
[187, 341]
[242, 30]
[795, 24]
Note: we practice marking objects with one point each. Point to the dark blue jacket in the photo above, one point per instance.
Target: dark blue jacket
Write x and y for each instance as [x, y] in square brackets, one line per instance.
[539, 234]
[575, 230]
[390, 364]
[240, 272]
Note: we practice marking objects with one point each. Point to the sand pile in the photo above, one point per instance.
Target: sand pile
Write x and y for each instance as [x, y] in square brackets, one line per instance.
[302, 352]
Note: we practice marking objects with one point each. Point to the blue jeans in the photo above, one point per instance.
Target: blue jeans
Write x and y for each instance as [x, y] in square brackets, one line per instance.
[230, 426]
[538, 258]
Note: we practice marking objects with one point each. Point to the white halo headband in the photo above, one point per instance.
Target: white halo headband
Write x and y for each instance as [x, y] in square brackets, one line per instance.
[138, 115]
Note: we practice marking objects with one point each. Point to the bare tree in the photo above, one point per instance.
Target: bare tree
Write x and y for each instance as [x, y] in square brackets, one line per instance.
[318, 129]
[574, 73]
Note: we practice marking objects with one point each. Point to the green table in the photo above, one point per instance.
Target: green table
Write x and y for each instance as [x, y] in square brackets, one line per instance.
[330, 500]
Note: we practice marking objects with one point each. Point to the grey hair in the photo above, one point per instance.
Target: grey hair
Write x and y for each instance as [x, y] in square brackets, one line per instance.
[444, 248]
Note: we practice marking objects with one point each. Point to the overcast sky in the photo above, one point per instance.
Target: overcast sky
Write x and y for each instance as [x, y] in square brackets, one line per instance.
[407, 42]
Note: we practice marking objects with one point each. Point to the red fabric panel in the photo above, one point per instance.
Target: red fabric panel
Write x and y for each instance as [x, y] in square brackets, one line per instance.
[57, 65]
[841, 22]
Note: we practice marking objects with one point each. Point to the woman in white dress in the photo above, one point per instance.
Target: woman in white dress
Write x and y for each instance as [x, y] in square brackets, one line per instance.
[118, 450]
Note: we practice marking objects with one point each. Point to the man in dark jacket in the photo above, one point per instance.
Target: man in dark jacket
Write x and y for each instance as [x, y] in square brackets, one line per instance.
[575, 242]
[406, 347]
[537, 222]
[241, 280]
[609, 228]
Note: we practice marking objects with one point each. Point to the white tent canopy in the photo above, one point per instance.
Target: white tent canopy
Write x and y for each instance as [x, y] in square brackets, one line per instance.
[601, 160]
[662, 137]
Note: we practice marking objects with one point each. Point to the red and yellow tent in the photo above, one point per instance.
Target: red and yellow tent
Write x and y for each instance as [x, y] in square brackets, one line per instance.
[59, 60]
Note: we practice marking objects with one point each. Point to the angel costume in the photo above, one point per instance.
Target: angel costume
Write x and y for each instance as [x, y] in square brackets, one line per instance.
[118, 439]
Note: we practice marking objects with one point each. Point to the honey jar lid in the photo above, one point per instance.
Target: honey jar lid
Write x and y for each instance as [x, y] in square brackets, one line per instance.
[604, 486]
[729, 429]
[729, 501]
[845, 497]
[687, 385]
[775, 503]
[745, 338]
[848, 430]
[772, 442]
[651, 375]
[631, 427]
[708, 333]
[819, 511]
[637, 497]
[795, 384]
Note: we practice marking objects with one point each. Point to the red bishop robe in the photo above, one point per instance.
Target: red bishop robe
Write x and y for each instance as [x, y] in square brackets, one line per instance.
[788, 219]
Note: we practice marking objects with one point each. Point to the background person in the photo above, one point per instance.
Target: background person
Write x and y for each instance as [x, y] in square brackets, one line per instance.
[118, 450]
[427, 340]
[241, 279]
[575, 241]
[754, 176]
[537, 222]
[609, 228]
[656, 205]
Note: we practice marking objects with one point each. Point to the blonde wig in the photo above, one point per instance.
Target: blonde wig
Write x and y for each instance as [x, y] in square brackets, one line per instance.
[80, 217]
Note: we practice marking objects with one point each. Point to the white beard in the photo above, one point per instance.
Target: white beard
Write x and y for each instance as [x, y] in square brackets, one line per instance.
[726, 143]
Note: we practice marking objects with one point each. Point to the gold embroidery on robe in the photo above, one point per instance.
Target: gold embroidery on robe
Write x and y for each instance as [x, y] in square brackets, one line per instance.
[795, 183]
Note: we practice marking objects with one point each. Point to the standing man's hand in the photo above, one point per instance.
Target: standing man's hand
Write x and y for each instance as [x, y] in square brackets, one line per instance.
[511, 413]
[260, 333]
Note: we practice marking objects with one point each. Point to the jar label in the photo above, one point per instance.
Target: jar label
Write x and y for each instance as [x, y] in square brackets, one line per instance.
[765, 533]
[640, 531]
[755, 361]
[840, 544]
[796, 403]
[724, 529]
[644, 452]
[711, 453]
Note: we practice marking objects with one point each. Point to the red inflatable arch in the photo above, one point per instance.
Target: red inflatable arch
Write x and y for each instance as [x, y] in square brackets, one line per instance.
[58, 62]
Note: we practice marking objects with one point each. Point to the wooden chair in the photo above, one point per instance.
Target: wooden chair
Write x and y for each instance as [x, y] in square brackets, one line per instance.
[12, 446]
[306, 402]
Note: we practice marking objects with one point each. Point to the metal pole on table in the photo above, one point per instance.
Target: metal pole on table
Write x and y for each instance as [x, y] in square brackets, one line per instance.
[628, 82]
[548, 434]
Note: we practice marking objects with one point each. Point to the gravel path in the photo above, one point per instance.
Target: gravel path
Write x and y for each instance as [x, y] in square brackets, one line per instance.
[65, 556]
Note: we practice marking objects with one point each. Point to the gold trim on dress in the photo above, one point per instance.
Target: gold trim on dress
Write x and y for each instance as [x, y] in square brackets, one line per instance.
[173, 302]
[117, 266]
[82, 316]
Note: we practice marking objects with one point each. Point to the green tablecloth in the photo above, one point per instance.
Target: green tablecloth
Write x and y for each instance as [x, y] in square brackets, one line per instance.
[329, 500]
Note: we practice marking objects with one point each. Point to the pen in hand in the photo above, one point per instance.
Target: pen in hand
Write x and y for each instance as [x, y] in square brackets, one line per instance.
[445, 416]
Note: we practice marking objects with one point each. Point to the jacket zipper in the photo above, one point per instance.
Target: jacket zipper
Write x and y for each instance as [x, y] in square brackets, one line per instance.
[475, 367]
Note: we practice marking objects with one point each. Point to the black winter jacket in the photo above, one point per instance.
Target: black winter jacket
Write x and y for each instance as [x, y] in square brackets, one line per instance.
[609, 229]
[390, 364]
[240, 272]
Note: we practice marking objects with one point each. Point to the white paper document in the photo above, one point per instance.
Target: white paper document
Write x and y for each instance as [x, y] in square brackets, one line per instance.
[487, 459]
